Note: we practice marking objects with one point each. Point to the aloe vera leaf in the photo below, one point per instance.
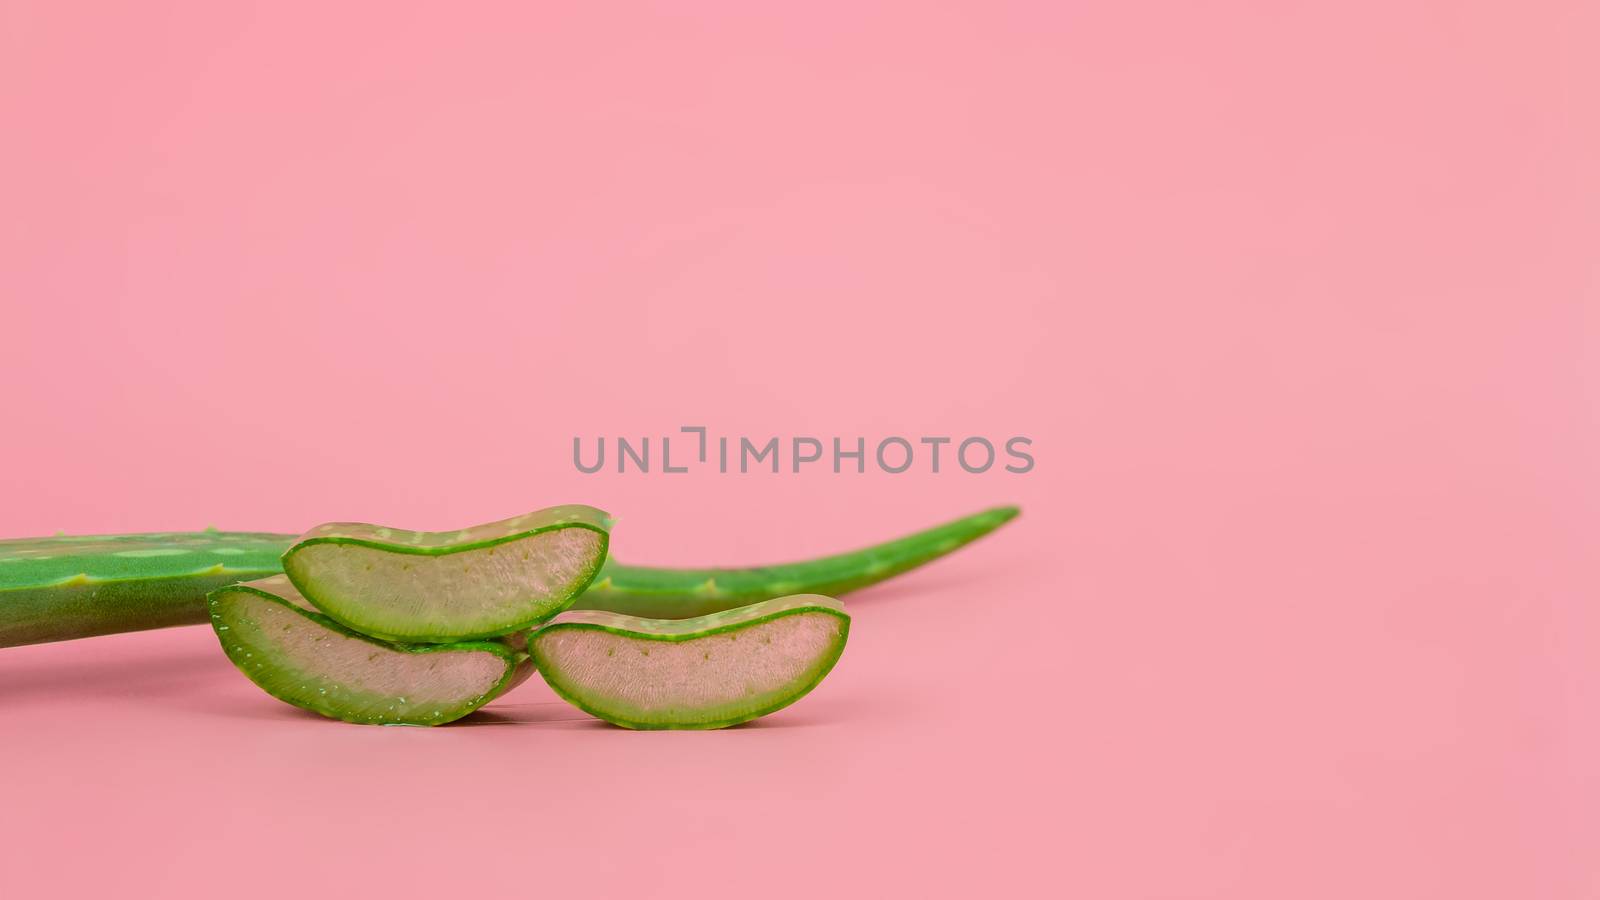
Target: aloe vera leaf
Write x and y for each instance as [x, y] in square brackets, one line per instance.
[682, 593]
[302, 657]
[706, 672]
[43, 599]
[444, 586]
[59, 588]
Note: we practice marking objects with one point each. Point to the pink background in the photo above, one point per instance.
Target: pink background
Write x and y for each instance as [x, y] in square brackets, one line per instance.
[1297, 301]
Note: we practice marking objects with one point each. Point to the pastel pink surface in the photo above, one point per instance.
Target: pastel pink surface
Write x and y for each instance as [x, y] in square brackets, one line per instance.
[1298, 306]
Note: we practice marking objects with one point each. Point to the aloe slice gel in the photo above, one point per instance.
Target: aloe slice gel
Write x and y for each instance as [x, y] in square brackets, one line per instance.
[444, 586]
[302, 657]
[707, 672]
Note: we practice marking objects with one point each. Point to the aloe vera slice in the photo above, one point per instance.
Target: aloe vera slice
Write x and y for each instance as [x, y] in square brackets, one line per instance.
[443, 586]
[60, 588]
[707, 672]
[302, 657]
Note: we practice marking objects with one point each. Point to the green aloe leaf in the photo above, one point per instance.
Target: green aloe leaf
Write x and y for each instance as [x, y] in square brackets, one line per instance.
[684, 593]
[60, 588]
[56, 589]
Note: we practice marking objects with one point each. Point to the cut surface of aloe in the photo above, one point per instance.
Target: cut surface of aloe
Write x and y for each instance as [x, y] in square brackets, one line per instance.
[707, 672]
[304, 658]
[443, 586]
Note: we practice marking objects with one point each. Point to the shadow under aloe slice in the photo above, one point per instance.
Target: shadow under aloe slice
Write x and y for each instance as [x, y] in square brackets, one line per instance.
[304, 658]
[443, 586]
[707, 672]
